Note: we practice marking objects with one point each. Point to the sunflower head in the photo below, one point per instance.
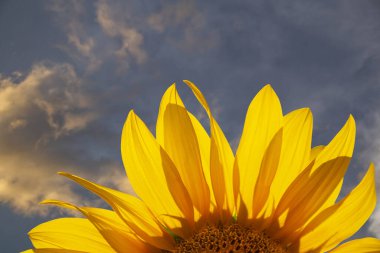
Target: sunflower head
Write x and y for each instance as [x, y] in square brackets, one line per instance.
[276, 193]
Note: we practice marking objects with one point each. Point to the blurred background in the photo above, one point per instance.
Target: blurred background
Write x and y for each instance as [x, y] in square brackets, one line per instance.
[70, 71]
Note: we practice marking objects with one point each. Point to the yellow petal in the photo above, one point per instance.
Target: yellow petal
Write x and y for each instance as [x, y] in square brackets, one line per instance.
[296, 144]
[154, 177]
[114, 230]
[264, 119]
[307, 193]
[204, 148]
[50, 250]
[176, 134]
[342, 145]
[315, 151]
[343, 219]
[132, 211]
[364, 245]
[71, 234]
[221, 161]
[314, 187]
[267, 172]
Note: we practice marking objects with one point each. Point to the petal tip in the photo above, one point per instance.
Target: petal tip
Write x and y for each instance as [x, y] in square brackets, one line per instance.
[351, 124]
[131, 115]
[173, 86]
[371, 168]
[267, 89]
[304, 110]
[351, 119]
[188, 82]
[45, 202]
[268, 86]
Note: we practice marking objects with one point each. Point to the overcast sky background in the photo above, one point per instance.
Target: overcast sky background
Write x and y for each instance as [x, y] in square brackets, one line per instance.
[71, 70]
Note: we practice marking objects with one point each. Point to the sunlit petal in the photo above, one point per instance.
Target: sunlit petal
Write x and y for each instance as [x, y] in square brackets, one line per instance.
[132, 211]
[175, 132]
[296, 144]
[69, 233]
[264, 119]
[114, 230]
[340, 221]
[365, 245]
[148, 166]
[221, 158]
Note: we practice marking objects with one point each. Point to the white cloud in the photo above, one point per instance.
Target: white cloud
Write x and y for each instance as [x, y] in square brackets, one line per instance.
[53, 90]
[24, 183]
[372, 153]
[115, 177]
[45, 106]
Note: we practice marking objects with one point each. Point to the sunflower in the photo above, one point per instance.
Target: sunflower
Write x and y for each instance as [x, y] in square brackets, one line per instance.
[276, 194]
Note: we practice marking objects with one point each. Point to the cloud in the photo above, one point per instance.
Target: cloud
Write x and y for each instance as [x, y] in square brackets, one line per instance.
[371, 152]
[17, 123]
[114, 26]
[94, 42]
[188, 20]
[374, 225]
[54, 91]
[72, 18]
[172, 15]
[39, 112]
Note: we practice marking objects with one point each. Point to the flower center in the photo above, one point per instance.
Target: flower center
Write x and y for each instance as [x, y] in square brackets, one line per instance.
[229, 239]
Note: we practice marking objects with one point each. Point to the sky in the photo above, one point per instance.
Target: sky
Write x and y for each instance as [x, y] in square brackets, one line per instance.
[70, 71]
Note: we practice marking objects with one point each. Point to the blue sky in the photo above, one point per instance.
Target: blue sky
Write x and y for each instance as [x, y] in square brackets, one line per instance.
[71, 70]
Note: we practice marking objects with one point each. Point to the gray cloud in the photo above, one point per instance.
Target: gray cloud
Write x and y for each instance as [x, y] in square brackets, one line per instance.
[371, 152]
[187, 21]
[54, 91]
[114, 26]
[97, 33]
[37, 108]
[42, 112]
[73, 19]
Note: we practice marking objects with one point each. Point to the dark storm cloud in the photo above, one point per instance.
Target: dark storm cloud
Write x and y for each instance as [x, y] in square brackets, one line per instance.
[107, 57]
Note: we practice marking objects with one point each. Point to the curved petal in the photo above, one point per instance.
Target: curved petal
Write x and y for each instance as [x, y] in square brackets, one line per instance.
[342, 220]
[364, 245]
[70, 234]
[114, 230]
[266, 175]
[313, 187]
[295, 153]
[342, 145]
[204, 148]
[176, 134]
[154, 177]
[269, 216]
[264, 119]
[221, 160]
[132, 211]
[51, 250]
[307, 193]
